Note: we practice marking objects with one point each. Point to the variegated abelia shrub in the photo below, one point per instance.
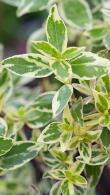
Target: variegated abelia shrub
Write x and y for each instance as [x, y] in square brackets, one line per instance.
[72, 134]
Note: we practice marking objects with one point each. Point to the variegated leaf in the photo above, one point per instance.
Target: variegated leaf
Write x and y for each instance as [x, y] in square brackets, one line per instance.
[106, 83]
[79, 180]
[51, 134]
[71, 10]
[67, 116]
[27, 6]
[77, 111]
[61, 99]
[98, 157]
[101, 101]
[56, 30]
[75, 178]
[62, 70]
[85, 151]
[105, 137]
[39, 113]
[5, 145]
[12, 2]
[77, 167]
[89, 66]
[45, 49]
[20, 154]
[3, 127]
[55, 189]
[33, 65]
[91, 136]
[67, 188]
[54, 174]
[72, 52]
[5, 86]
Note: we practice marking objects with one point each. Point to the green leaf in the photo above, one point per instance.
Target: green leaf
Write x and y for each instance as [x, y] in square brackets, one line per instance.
[20, 154]
[55, 189]
[28, 6]
[54, 174]
[32, 65]
[56, 30]
[65, 140]
[45, 48]
[77, 167]
[79, 180]
[85, 151]
[12, 2]
[51, 134]
[75, 178]
[94, 174]
[105, 137]
[62, 70]
[5, 86]
[98, 157]
[99, 160]
[106, 15]
[67, 188]
[77, 111]
[5, 145]
[3, 127]
[71, 10]
[91, 136]
[106, 83]
[72, 52]
[97, 33]
[106, 41]
[61, 99]
[89, 66]
[67, 116]
[40, 113]
[101, 102]
[59, 155]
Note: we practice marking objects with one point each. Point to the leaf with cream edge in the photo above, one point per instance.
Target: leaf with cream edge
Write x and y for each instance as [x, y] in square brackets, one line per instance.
[62, 70]
[12, 2]
[101, 102]
[67, 187]
[105, 137]
[6, 85]
[85, 151]
[89, 66]
[45, 49]
[91, 136]
[72, 52]
[56, 30]
[5, 145]
[20, 154]
[51, 134]
[27, 6]
[61, 99]
[98, 157]
[70, 11]
[55, 189]
[3, 127]
[74, 178]
[77, 111]
[33, 65]
[77, 167]
[39, 113]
